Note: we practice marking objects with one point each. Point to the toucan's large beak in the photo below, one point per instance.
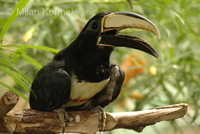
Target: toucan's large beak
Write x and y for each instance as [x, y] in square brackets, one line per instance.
[114, 22]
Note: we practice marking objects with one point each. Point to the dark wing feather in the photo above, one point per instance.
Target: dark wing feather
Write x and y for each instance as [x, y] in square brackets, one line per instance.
[112, 89]
[50, 88]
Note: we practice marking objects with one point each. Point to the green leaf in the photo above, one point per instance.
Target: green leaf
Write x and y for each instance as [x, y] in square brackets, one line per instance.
[179, 17]
[35, 47]
[31, 61]
[2, 23]
[14, 90]
[22, 81]
[12, 17]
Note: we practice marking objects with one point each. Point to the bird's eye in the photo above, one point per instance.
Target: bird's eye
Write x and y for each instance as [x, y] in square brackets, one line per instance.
[94, 25]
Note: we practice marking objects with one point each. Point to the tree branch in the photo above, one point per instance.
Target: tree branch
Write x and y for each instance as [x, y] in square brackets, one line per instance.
[31, 121]
[7, 102]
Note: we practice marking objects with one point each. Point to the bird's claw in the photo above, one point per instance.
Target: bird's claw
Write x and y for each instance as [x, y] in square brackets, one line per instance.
[62, 115]
[102, 118]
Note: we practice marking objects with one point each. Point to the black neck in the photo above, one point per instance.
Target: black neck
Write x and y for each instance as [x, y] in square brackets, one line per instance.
[88, 65]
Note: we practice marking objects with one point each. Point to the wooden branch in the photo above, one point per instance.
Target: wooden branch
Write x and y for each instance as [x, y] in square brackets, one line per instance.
[31, 121]
[7, 102]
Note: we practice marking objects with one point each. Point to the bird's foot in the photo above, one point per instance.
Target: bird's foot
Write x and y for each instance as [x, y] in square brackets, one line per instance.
[102, 117]
[62, 115]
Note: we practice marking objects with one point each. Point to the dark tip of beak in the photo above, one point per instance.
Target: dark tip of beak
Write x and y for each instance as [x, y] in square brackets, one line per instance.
[127, 41]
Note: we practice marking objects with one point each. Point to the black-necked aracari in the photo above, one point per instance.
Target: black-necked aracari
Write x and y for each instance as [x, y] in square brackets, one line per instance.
[81, 76]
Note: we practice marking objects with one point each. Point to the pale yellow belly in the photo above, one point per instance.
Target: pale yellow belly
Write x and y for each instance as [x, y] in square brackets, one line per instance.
[82, 91]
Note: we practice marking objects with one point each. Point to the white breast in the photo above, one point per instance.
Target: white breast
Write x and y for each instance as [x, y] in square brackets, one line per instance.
[85, 90]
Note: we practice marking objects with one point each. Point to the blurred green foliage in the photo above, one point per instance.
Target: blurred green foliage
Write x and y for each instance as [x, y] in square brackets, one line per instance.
[42, 28]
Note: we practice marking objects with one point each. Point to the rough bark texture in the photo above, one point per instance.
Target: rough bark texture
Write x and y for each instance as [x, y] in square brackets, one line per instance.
[7, 102]
[31, 121]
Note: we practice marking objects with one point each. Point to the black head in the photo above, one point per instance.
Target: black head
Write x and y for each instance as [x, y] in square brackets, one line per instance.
[101, 31]
[89, 36]
[90, 52]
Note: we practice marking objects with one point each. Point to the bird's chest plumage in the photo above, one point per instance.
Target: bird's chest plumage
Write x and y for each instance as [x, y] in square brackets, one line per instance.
[81, 91]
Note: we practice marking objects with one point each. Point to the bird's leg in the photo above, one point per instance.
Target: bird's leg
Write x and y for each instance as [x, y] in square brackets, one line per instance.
[102, 117]
[62, 115]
